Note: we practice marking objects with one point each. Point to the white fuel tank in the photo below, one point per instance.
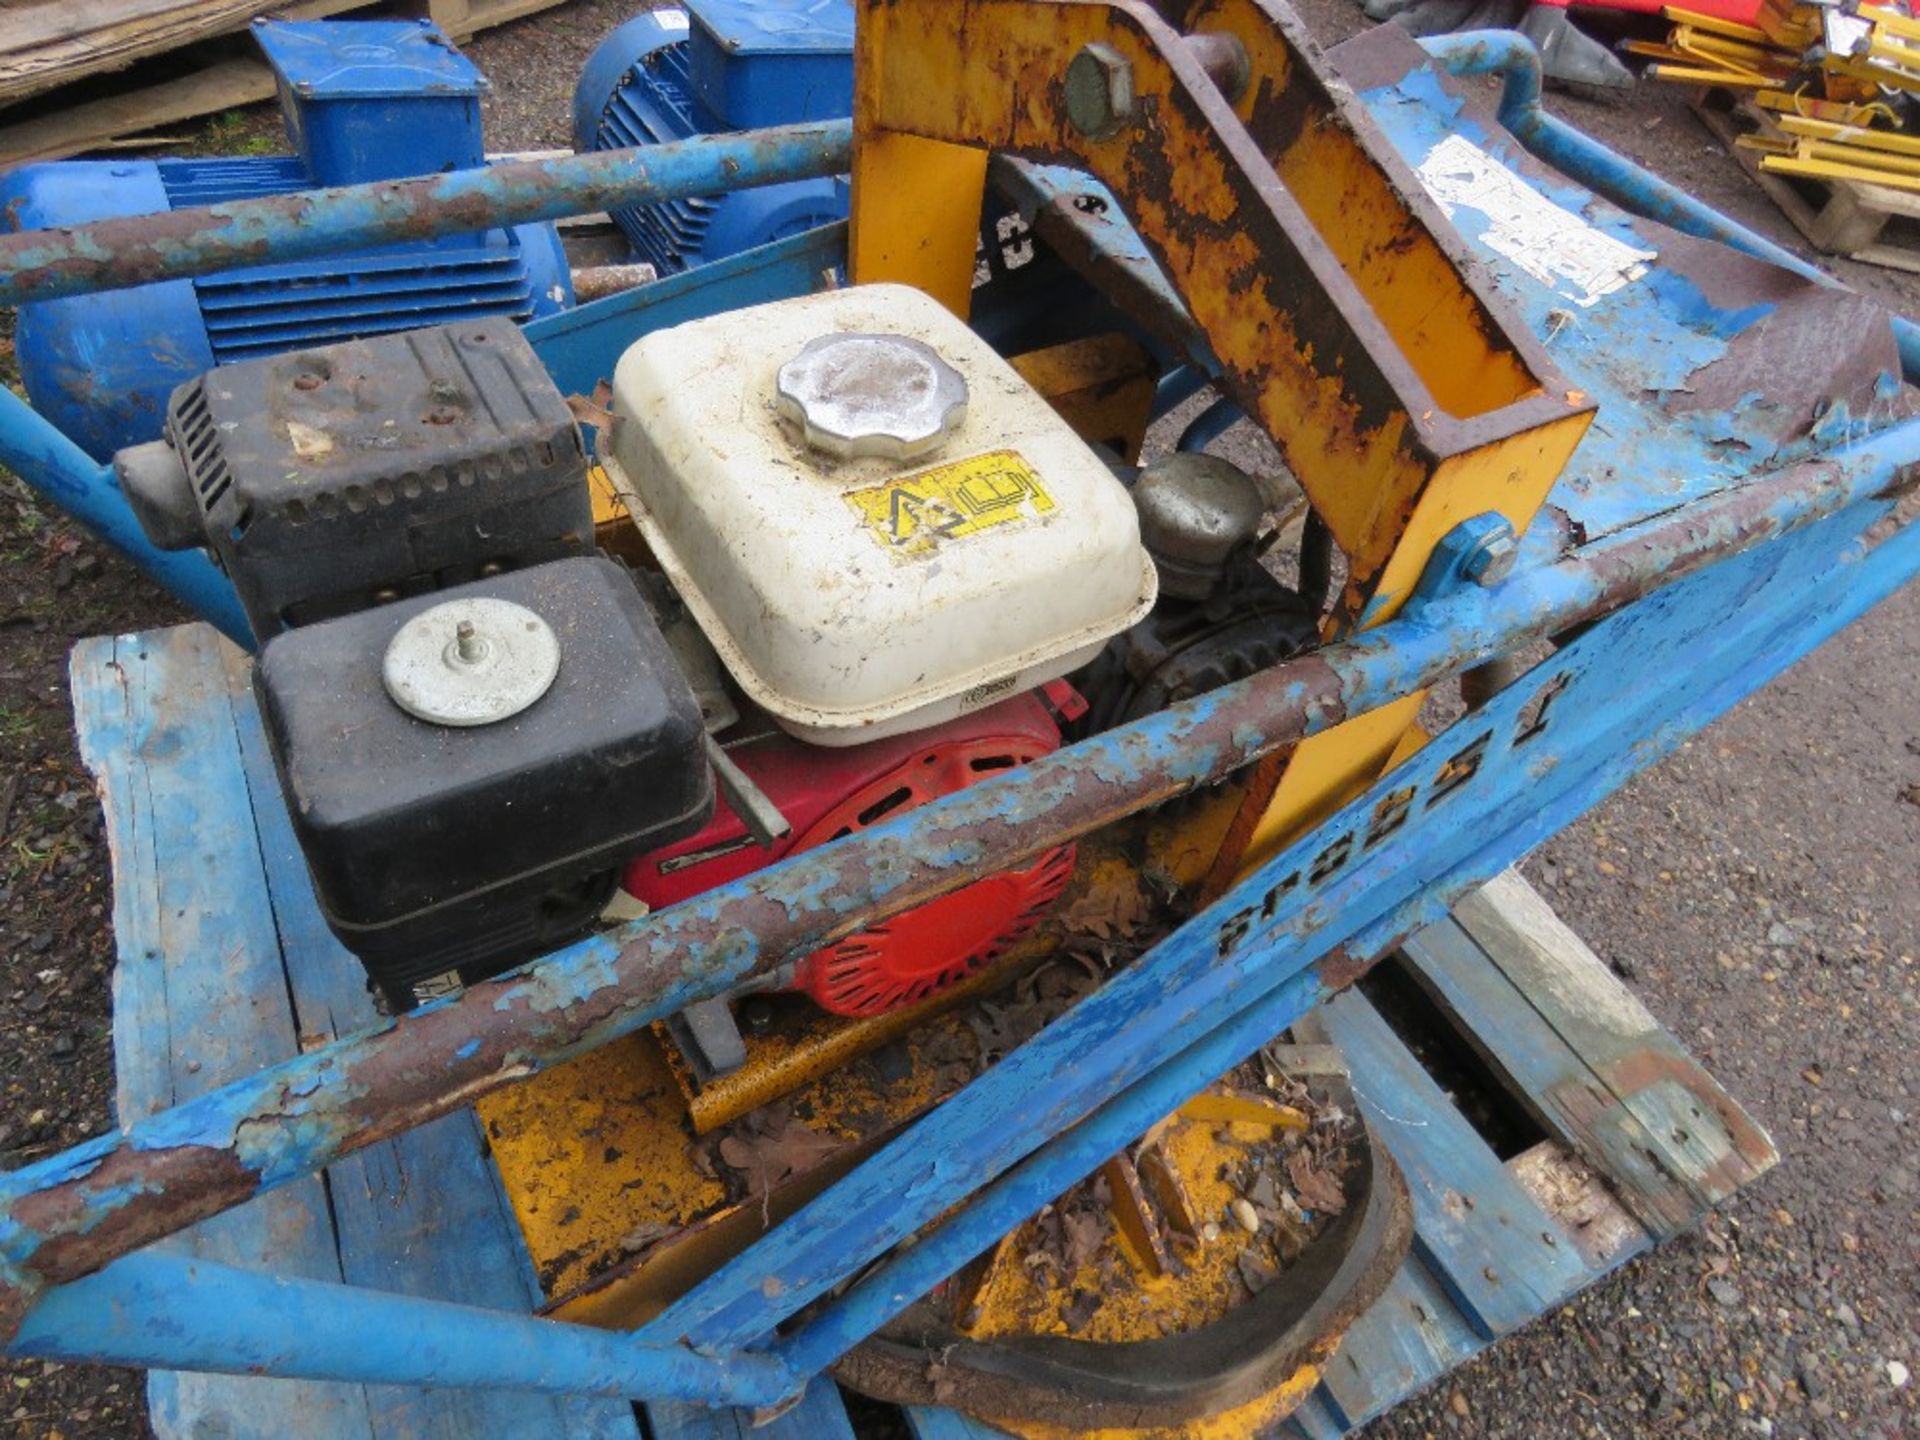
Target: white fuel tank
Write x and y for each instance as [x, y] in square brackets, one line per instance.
[876, 521]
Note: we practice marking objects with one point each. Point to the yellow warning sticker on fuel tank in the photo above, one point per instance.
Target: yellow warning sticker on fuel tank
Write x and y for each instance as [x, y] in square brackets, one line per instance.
[914, 516]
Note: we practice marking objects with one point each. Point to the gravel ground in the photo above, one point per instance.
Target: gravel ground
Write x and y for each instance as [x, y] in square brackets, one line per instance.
[1759, 889]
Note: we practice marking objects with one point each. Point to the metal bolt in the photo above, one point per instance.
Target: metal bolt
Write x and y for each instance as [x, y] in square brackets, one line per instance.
[1099, 91]
[470, 646]
[1224, 57]
[1491, 559]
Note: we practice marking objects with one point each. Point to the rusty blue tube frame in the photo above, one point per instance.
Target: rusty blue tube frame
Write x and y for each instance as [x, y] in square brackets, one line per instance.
[85, 1213]
[66, 1216]
[181, 244]
[1272, 962]
[139, 1310]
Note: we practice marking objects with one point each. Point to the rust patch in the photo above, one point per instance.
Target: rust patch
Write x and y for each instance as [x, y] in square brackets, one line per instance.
[194, 1181]
[1340, 967]
[138, 250]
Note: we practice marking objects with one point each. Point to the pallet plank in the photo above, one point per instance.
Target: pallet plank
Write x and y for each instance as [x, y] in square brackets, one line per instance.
[423, 1213]
[1548, 1077]
[1413, 1335]
[188, 880]
[1500, 1257]
[820, 1415]
[1712, 1145]
[1584, 1203]
[1316, 1419]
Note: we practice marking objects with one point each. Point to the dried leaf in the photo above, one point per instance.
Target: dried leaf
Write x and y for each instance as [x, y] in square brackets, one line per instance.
[594, 411]
[998, 1029]
[1317, 1189]
[768, 1159]
[1263, 1192]
[644, 1236]
[1085, 1231]
[1109, 912]
[944, 1388]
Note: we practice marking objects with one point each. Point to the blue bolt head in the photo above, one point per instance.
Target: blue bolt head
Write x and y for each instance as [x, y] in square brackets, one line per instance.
[1491, 559]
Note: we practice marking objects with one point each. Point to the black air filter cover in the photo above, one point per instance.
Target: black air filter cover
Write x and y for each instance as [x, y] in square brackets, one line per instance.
[331, 479]
[437, 848]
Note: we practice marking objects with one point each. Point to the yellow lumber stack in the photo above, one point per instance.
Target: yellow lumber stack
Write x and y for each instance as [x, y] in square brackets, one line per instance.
[1823, 70]
[1707, 50]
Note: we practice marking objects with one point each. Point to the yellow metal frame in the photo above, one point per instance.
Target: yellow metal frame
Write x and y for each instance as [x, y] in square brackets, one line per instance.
[1338, 303]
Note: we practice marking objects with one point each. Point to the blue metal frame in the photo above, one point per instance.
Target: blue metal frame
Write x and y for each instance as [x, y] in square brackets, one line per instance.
[1692, 607]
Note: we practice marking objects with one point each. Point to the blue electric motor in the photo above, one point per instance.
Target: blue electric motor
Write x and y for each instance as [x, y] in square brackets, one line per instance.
[363, 101]
[719, 65]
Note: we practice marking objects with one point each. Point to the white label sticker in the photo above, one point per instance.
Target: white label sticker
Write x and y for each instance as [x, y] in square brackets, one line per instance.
[1554, 245]
[670, 19]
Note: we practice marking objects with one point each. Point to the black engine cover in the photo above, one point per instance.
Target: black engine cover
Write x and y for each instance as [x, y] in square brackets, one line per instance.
[436, 848]
[328, 480]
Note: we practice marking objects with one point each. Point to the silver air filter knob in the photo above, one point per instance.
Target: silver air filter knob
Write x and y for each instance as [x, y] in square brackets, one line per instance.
[473, 661]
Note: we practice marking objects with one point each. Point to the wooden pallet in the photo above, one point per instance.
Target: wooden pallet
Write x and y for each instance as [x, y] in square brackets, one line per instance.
[1854, 218]
[203, 72]
[225, 965]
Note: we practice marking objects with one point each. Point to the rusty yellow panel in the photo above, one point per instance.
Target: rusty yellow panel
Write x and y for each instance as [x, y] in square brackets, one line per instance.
[608, 505]
[1446, 332]
[1510, 477]
[1348, 328]
[614, 529]
[820, 1045]
[915, 216]
[1323, 773]
[1259, 1416]
[1415, 737]
[605, 1175]
[630, 1296]
[1184, 840]
[1103, 387]
[592, 1152]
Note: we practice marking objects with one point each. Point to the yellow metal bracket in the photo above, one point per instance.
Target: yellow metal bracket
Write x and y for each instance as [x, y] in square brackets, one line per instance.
[1345, 312]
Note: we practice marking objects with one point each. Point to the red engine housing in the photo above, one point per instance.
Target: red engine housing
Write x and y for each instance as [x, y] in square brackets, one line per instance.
[828, 793]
